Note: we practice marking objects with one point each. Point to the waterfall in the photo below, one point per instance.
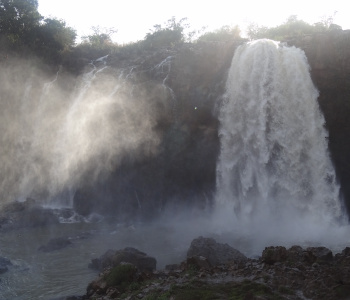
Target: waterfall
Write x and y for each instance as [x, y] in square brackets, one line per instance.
[274, 164]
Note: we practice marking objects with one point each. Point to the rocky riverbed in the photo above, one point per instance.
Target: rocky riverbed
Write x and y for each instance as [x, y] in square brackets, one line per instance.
[211, 270]
[218, 271]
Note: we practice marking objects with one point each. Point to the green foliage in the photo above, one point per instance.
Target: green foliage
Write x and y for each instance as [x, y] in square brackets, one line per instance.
[168, 36]
[52, 38]
[18, 18]
[204, 291]
[121, 276]
[95, 45]
[293, 27]
[24, 31]
[101, 37]
[225, 33]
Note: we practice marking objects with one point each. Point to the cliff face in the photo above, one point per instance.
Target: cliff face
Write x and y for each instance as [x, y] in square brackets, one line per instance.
[184, 170]
[329, 58]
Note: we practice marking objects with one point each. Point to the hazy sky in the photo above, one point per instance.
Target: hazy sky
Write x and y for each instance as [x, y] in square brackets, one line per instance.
[134, 18]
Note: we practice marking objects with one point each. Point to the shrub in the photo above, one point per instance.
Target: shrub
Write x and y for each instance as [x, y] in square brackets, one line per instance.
[121, 275]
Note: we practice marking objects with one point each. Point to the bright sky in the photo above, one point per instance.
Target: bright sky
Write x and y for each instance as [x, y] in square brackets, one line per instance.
[134, 18]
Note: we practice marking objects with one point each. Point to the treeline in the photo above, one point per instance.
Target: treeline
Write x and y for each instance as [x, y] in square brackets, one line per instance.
[23, 31]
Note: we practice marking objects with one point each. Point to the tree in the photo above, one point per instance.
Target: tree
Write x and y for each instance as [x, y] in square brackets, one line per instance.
[168, 36]
[293, 27]
[18, 18]
[23, 30]
[100, 37]
[53, 37]
[223, 34]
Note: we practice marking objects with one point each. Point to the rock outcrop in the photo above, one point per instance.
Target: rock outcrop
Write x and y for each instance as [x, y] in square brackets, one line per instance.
[113, 258]
[215, 253]
[295, 274]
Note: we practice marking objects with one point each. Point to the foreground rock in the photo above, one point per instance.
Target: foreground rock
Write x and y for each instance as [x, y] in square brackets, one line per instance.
[215, 253]
[113, 258]
[280, 273]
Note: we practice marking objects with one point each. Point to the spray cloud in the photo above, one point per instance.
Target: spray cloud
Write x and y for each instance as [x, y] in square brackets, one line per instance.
[56, 131]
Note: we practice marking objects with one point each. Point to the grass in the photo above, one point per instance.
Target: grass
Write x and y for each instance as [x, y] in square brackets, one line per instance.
[229, 291]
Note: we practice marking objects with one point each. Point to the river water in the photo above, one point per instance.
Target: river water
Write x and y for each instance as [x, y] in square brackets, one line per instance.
[40, 275]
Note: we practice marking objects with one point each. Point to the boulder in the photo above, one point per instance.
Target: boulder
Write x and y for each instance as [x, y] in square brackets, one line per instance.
[319, 254]
[130, 255]
[272, 254]
[216, 253]
[198, 262]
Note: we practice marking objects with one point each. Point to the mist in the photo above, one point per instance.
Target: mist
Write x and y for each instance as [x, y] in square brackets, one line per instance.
[58, 131]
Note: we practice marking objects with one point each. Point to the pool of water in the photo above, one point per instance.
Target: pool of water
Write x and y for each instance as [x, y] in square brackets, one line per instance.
[40, 275]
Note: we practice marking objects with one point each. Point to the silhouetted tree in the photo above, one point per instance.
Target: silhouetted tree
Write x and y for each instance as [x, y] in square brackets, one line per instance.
[225, 33]
[24, 31]
[53, 37]
[18, 20]
[168, 36]
[293, 27]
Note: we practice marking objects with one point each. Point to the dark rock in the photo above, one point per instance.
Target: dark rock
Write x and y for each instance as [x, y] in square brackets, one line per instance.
[319, 254]
[346, 251]
[216, 253]
[172, 267]
[26, 214]
[38, 217]
[199, 262]
[128, 255]
[55, 244]
[4, 263]
[272, 254]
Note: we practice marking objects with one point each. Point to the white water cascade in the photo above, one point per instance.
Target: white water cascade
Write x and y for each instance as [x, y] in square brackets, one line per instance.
[274, 170]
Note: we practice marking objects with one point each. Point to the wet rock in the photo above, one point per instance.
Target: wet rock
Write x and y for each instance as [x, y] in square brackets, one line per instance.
[216, 253]
[199, 262]
[319, 254]
[129, 255]
[26, 214]
[273, 255]
[55, 244]
[4, 263]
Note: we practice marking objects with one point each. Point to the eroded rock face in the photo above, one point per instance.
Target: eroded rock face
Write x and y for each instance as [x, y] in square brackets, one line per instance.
[272, 254]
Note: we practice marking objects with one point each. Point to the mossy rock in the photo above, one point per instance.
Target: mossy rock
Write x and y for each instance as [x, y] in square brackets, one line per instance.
[121, 276]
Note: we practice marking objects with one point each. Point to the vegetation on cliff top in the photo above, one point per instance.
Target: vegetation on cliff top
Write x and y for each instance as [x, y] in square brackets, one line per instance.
[24, 32]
